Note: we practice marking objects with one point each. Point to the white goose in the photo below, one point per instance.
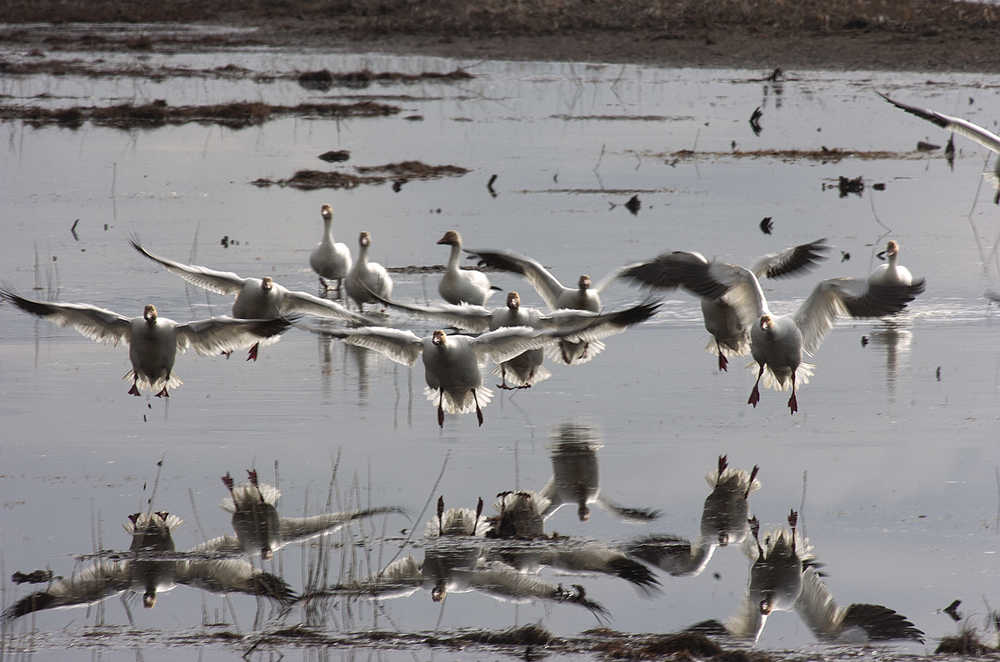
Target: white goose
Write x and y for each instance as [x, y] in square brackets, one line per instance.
[153, 341]
[777, 342]
[730, 330]
[891, 273]
[367, 277]
[462, 285]
[256, 298]
[330, 260]
[984, 137]
[526, 368]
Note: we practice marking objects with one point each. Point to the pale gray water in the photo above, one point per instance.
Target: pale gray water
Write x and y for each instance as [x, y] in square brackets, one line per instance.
[901, 500]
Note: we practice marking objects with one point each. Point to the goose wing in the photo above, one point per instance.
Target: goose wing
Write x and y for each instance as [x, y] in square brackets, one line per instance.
[401, 578]
[547, 286]
[507, 342]
[98, 324]
[232, 576]
[502, 582]
[91, 585]
[685, 269]
[216, 335]
[400, 346]
[586, 325]
[628, 513]
[827, 621]
[463, 316]
[297, 529]
[598, 558]
[295, 302]
[984, 137]
[791, 260]
[672, 554]
[849, 296]
[220, 282]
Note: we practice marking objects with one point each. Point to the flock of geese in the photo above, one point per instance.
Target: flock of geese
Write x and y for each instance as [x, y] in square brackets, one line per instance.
[516, 338]
[498, 555]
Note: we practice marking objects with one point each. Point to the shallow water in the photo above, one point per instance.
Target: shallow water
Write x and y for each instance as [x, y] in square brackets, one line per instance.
[899, 466]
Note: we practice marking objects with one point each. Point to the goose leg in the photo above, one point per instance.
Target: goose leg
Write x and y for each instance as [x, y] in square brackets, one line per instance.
[503, 378]
[755, 393]
[252, 355]
[252, 477]
[753, 475]
[135, 389]
[440, 513]
[440, 408]
[793, 404]
[227, 480]
[723, 463]
[163, 393]
[723, 361]
[793, 520]
[479, 412]
[755, 530]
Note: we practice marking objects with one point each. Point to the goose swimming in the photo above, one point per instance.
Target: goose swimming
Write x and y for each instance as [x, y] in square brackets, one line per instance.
[256, 298]
[330, 260]
[153, 340]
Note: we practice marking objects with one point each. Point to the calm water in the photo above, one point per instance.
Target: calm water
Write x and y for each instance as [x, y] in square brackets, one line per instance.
[899, 466]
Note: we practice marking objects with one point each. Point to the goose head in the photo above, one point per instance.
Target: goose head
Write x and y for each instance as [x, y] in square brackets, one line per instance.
[583, 511]
[364, 239]
[766, 604]
[891, 249]
[584, 282]
[266, 283]
[149, 599]
[266, 553]
[451, 238]
[513, 300]
[149, 313]
[439, 338]
[766, 322]
[326, 211]
[439, 592]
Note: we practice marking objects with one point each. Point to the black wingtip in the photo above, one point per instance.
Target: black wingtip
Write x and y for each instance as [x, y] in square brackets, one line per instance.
[636, 314]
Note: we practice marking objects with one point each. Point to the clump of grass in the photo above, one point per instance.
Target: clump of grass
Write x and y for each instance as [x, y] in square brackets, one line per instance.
[966, 642]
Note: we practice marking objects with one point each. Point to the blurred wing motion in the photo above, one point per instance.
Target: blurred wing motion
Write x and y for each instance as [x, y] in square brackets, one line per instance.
[547, 286]
[98, 324]
[220, 282]
[792, 260]
[94, 584]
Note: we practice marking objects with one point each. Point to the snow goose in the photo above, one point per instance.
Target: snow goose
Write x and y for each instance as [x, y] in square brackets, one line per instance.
[691, 271]
[452, 363]
[891, 273]
[526, 368]
[723, 522]
[576, 477]
[457, 521]
[330, 260]
[462, 285]
[777, 342]
[785, 577]
[260, 529]
[984, 137]
[151, 568]
[256, 298]
[367, 277]
[153, 340]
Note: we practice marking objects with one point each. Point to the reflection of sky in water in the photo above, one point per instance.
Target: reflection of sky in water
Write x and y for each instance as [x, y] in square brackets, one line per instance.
[900, 491]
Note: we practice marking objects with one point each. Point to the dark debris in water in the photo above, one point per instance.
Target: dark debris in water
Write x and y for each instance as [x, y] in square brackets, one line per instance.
[323, 79]
[402, 172]
[823, 154]
[158, 113]
[966, 642]
[629, 118]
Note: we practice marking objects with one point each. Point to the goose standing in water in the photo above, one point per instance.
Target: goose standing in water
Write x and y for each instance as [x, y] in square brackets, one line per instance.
[891, 273]
[260, 529]
[256, 298]
[330, 260]
[730, 330]
[462, 285]
[777, 342]
[723, 522]
[143, 572]
[153, 340]
[367, 277]
[984, 137]
[452, 363]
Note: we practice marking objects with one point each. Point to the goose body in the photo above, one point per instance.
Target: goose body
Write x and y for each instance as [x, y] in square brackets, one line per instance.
[330, 259]
[462, 285]
[367, 278]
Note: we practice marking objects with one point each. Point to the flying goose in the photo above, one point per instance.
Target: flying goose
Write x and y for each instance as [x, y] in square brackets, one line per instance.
[692, 271]
[330, 260]
[256, 298]
[153, 341]
[462, 285]
[984, 137]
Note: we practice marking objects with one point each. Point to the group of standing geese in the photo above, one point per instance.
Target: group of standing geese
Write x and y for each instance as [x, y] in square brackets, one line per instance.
[516, 338]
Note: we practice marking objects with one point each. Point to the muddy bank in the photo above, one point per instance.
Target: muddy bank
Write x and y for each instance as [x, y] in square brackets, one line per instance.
[399, 173]
[893, 34]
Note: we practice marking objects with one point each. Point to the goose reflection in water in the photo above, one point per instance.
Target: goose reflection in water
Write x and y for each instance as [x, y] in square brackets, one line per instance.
[894, 340]
[261, 530]
[455, 561]
[723, 522]
[785, 576]
[152, 567]
[576, 478]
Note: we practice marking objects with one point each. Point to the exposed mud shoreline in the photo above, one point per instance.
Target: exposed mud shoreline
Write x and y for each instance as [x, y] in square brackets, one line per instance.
[855, 34]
